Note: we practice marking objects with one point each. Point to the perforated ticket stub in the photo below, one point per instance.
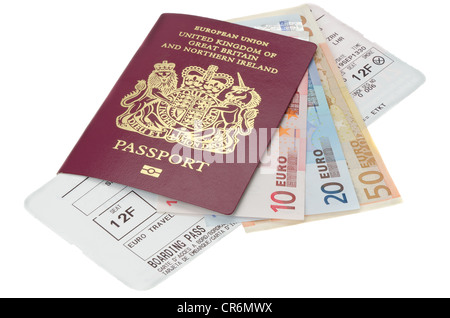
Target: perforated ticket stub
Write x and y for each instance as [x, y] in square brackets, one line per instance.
[118, 228]
[375, 78]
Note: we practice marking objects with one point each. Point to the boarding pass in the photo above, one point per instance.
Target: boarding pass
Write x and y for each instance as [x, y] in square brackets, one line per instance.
[118, 228]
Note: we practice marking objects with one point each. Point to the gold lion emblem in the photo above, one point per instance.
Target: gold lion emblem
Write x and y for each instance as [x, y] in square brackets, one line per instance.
[192, 114]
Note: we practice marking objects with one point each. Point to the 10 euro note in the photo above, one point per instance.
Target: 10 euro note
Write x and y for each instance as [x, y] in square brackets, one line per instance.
[329, 186]
[277, 189]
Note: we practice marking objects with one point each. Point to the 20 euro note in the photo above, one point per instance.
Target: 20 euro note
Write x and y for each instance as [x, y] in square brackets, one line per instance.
[329, 186]
[277, 189]
[119, 229]
[377, 80]
[372, 182]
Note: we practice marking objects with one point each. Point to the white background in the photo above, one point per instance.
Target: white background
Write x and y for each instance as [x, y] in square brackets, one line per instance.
[58, 62]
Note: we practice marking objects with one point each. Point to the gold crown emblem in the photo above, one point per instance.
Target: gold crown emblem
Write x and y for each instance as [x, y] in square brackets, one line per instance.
[208, 81]
[164, 66]
[194, 114]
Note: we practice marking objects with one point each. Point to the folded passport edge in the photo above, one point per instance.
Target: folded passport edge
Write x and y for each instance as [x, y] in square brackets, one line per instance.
[198, 84]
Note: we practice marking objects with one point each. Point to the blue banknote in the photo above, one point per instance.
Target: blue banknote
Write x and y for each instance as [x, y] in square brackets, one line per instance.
[329, 186]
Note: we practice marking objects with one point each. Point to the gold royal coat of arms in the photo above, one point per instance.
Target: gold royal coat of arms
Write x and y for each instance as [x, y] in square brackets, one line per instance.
[192, 114]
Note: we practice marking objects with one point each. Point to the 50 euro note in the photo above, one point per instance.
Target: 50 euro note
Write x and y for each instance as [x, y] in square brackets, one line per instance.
[277, 189]
[373, 184]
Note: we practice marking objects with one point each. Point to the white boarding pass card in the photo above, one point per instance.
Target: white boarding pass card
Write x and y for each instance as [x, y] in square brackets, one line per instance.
[118, 228]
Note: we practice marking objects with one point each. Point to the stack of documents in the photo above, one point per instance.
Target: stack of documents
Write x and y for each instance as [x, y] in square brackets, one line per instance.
[321, 161]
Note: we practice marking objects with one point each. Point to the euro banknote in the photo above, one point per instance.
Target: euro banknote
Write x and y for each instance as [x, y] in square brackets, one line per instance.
[277, 189]
[372, 182]
[377, 80]
[329, 186]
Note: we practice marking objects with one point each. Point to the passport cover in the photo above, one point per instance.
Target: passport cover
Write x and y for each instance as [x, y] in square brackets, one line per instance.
[178, 121]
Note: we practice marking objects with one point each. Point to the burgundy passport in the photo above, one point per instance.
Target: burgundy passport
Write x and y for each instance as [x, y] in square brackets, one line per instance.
[179, 119]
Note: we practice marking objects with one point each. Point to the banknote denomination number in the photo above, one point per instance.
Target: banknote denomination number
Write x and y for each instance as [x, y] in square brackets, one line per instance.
[124, 217]
[276, 198]
[332, 193]
[364, 178]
